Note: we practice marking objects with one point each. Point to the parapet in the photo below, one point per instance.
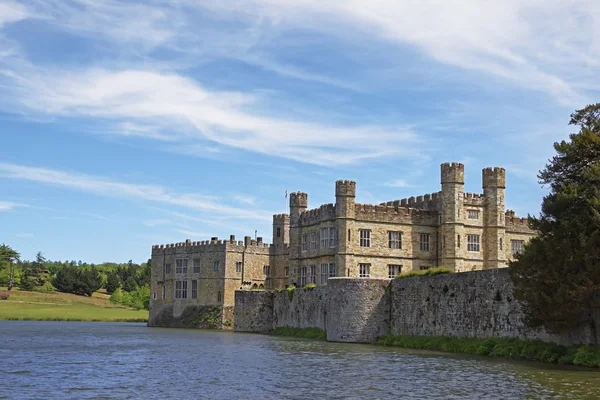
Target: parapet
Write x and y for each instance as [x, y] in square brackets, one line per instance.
[453, 173]
[385, 213]
[494, 177]
[516, 224]
[474, 199]
[424, 202]
[324, 213]
[281, 219]
[345, 188]
[298, 199]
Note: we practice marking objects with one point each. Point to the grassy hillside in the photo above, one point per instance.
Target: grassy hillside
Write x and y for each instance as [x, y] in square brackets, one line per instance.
[65, 307]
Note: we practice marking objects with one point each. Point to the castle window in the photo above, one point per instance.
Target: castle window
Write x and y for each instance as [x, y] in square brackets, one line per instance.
[424, 267]
[424, 241]
[313, 274]
[394, 270]
[517, 246]
[219, 296]
[458, 241]
[395, 240]
[349, 236]
[167, 268]
[181, 289]
[154, 295]
[313, 241]
[365, 238]
[164, 292]
[473, 214]
[196, 267]
[324, 238]
[303, 276]
[238, 267]
[194, 289]
[304, 243]
[181, 266]
[286, 272]
[216, 266]
[324, 273]
[332, 237]
[331, 270]
[278, 232]
[267, 270]
[364, 270]
[473, 243]
[500, 243]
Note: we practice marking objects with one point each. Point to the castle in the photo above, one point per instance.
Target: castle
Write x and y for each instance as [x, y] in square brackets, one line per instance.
[451, 228]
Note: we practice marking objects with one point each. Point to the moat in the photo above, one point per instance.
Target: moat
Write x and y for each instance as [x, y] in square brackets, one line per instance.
[107, 360]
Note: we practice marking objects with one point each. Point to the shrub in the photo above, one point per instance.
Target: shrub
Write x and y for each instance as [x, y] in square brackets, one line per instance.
[534, 350]
[290, 291]
[425, 272]
[4, 296]
[310, 286]
[139, 298]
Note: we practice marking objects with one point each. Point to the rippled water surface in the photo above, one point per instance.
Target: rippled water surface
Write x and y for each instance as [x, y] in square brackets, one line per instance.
[50, 360]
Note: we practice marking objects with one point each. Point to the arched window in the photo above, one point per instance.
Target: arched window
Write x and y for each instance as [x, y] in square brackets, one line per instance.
[261, 286]
[219, 296]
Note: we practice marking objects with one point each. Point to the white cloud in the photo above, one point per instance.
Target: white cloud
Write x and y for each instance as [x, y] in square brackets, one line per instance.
[192, 234]
[250, 200]
[398, 183]
[156, 222]
[136, 192]
[190, 112]
[9, 205]
[12, 12]
[24, 235]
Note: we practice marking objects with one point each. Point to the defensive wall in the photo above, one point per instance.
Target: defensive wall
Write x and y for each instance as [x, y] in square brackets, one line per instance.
[477, 304]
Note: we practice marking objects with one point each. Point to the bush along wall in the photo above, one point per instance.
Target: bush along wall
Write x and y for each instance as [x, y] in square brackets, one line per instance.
[584, 355]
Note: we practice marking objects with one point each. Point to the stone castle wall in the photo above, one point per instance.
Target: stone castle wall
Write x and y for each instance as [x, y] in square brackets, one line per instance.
[472, 304]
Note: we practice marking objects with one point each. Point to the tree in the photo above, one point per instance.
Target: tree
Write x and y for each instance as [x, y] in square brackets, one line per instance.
[9, 256]
[35, 274]
[130, 285]
[557, 277]
[113, 282]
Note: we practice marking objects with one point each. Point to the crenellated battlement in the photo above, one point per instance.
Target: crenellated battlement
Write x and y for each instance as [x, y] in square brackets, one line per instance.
[452, 173]
[516, 224]
[424, 202]
[386, 213]
[298, 199]
[474, 199]
[494, 177]
[345, 188]
[281, 218]
[324, 213]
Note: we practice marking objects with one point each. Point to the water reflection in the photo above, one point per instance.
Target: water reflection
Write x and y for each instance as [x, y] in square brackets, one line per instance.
[97, 360]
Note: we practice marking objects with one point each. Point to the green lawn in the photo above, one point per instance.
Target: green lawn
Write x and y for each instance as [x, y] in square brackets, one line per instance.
[65, 307]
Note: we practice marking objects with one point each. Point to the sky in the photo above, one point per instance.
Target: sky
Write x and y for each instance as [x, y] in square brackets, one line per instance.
[127, 124]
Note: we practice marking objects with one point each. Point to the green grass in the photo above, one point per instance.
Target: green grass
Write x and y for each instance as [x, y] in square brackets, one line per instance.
[34, 306]
[426, 272]
[534, 350]
[307, 333]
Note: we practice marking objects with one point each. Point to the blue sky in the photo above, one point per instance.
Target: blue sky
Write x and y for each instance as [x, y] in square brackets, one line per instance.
[126, 124]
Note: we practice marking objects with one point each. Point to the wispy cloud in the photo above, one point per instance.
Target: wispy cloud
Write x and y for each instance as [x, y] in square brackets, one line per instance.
[192, 234]
[9, 205]
[12, 12]
[137, 192]
[250, 200]
[24, 235]
[397, 183]
[233, 119]
[156, 222]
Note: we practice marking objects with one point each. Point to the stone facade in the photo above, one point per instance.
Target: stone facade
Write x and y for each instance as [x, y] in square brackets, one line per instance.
[452, 228]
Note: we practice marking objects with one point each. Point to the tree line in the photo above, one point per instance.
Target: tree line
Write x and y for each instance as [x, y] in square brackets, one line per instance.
[130, 280]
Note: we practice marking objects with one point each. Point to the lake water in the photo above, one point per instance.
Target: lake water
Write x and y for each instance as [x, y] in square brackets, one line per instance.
[71, 360]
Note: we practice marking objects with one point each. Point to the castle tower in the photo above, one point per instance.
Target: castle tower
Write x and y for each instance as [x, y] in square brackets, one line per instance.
[494, 187]
[345, 194]
[298, 204]
[452, 243]
[281, 230]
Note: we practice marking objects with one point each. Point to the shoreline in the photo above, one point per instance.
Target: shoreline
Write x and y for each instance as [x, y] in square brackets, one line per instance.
[508, 348]
[67, 319]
